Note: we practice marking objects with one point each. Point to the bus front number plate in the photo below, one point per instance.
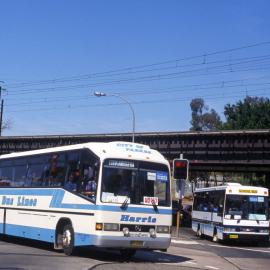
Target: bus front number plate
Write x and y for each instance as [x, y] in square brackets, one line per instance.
[136, 244]
[233, 236]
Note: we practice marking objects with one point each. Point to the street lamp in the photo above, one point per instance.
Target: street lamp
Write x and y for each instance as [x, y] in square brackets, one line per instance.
[102, 94]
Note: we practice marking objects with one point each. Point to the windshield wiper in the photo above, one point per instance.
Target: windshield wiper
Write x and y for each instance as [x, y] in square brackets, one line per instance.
[154, 205]
[125, 203]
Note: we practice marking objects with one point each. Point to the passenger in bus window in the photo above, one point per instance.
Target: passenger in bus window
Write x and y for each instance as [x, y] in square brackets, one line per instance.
[71, 183]
[91, 185]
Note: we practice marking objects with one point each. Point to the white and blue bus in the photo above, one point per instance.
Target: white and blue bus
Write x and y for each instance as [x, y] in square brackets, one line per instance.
[231, 212]
[111, 195]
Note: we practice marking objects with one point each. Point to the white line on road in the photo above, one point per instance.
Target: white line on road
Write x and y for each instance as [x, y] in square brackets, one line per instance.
[248, 249]
[185, 242]
[190, 262]
[211, 267]
[178, 263]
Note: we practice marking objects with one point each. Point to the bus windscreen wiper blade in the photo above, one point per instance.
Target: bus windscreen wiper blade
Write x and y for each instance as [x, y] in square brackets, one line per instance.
[125, 203]
[154, 205]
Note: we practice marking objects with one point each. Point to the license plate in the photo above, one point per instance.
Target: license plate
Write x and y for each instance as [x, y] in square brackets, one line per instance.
[136, 244]
[233, 236]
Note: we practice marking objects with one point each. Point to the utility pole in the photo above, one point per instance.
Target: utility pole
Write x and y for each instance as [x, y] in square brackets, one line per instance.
[1, 116]
[2, 109]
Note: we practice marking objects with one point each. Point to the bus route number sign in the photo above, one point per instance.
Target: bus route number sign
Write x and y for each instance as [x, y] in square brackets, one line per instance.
[150, 200]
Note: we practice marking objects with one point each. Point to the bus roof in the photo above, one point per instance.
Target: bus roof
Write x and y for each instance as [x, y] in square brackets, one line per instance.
[236, 188]
[117, 149]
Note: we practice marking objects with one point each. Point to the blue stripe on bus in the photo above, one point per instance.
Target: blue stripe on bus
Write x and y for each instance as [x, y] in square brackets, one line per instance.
[43, 234]
[29, 192]
[58, 196]
[133, 209]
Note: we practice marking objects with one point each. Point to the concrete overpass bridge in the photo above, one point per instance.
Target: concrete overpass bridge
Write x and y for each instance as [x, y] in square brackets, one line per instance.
[238, 151]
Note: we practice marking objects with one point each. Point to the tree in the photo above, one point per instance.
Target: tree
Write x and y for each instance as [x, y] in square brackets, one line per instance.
[6, 125]
[251, 113]
[202, 118]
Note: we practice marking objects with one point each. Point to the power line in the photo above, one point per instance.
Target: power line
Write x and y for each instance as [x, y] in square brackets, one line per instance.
[228, 68]
[197, 88]
[64, 79]
[139, 102]
[262, 57]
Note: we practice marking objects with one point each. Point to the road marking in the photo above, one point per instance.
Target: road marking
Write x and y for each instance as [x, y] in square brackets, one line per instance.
[185, 242]
[211, 267]
[177, 264]
[248, 249]
[190, 262]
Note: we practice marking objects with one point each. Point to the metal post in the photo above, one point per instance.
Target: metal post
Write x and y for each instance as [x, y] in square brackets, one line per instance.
[133, 115]
[1, 116]
[178, 217]
[102, 94]
[177, 222]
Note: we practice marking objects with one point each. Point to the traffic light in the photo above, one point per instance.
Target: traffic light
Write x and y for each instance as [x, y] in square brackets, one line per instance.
[180, 169]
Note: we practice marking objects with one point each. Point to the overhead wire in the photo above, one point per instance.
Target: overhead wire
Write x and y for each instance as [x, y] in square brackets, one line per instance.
[231, 67]
[139, 102]
[196, 88]
[64, 79]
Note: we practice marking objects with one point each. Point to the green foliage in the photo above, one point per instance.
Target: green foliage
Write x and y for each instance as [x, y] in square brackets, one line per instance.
[252, 113]
[202, 118]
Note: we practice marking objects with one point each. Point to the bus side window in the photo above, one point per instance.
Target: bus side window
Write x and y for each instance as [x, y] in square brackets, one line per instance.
[200, 202]
[90, 169]
[6, 173]
[73, 173]
[211, 202]
[54, 169]
[221, 197]
[218, 202]
[34, 175]
[20, 170]
[206, 203]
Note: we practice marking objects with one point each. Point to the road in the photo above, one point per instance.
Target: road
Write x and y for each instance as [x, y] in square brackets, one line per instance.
[186, 252]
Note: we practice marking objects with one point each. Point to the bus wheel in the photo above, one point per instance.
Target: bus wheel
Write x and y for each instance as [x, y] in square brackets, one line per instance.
[215, 236]
[68, 239]
[127, 254]
[199, 232]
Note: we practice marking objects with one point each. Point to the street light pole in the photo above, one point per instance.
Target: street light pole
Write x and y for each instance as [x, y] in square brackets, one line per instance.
[1, 108]
[102, 94]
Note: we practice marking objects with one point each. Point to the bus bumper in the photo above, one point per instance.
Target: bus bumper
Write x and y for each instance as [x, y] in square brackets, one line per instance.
[246, 237]
[160, 243]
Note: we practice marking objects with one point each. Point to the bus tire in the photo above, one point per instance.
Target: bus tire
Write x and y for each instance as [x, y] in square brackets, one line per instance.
[127, 254]
[199, 232]
[68, 239]
[215, 236]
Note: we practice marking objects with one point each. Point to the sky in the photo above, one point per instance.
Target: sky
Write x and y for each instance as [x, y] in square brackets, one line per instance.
[158, 55]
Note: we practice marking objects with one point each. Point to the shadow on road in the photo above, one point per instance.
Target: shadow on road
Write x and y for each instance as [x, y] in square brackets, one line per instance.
[235, 243]
[103, 255]
[141, 256]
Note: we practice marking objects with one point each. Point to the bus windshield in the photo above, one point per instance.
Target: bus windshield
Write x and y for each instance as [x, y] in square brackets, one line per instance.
[247, 207]
[135, 182]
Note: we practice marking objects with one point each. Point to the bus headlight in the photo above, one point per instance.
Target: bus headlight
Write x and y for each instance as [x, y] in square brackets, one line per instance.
[163, 229]
[99, 226]
[264, 231]
[126, 231]
[111, 227]
[229, 229]
[152, 233]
